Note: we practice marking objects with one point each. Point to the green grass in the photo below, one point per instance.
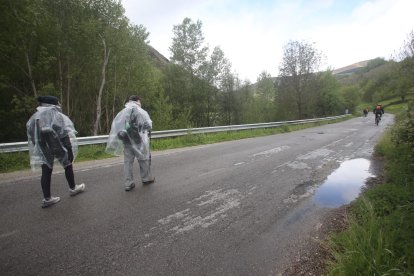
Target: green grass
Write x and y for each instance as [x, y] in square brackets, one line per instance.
[380, 237]
[20, 160]
[14, 161]
[366, 248]
[210, 138]
[92, 152]
[396, 108]
[393, 106]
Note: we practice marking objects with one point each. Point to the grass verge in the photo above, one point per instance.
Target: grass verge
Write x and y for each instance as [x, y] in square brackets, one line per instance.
[380, 237]
[20, 160]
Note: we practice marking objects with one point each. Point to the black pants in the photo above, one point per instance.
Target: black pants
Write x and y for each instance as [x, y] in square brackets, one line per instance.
[47, 175]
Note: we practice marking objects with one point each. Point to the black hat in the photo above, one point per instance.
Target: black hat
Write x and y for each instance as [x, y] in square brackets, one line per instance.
[134, 98]
[48, 100]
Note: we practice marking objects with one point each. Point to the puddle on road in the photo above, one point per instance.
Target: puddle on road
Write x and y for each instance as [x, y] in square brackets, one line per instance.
[344, 184]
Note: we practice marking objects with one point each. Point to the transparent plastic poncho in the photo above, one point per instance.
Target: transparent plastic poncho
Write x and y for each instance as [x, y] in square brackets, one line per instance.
[47, 130]
[130, 128]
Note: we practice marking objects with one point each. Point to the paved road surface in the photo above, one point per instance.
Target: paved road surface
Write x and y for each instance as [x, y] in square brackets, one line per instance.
[233, 208]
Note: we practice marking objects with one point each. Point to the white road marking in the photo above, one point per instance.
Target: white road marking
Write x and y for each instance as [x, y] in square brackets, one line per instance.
[176, 216]
[271, 151]
[322, 152]
[212, 171]
[298, 165]
[220, 202]
[8, 234]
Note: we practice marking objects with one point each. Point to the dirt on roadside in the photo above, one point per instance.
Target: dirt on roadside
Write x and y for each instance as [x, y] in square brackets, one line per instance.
[313, 257]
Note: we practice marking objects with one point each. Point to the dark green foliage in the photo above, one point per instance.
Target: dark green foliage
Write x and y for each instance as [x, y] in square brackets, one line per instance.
[56, 48]
[351, 97]
[374, 63]
[387, 198]
[329, 101]
[404, 134]
[299, 64]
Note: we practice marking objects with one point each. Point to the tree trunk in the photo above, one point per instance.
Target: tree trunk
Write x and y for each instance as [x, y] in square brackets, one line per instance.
[60, 77]
[99, 99]
[68, 90]
[113, 97]
[29, 69]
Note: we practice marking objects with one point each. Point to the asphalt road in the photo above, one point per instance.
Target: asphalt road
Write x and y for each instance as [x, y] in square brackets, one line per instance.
[232, 208]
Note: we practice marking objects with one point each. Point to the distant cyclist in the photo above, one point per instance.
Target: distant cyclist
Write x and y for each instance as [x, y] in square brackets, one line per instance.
[378, 111]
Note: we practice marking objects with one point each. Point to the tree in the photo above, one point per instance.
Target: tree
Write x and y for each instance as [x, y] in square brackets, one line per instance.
[406, 68]
[351, 97]
[264, 99]
[24, 63]
[300, 61]
[188, 49]
[230, 101]
[372, 64]
[379, 83]
[106, 55]
[215, 72]
[206, 73]
[163, 116]
[83, 51]
[189, 52]
[328, 101]
[178, 87]
[407, 50]
[265, 87]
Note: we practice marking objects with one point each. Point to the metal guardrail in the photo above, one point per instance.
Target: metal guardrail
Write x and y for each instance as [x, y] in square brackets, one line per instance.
[101, 139]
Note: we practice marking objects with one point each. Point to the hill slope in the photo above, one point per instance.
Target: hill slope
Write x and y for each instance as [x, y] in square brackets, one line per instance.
[351, 68]
[158, 58]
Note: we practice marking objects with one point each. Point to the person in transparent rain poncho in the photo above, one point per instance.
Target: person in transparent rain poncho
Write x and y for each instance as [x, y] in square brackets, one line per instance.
[130, 132]
[51, 136]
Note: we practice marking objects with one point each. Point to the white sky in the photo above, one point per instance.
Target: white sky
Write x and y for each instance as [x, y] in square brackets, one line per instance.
[252, 33]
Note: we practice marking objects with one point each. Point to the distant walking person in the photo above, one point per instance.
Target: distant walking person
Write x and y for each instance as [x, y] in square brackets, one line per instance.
[130, 132]
[51, 135]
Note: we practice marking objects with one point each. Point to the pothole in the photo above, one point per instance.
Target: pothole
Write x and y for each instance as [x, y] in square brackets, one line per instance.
[344, 184]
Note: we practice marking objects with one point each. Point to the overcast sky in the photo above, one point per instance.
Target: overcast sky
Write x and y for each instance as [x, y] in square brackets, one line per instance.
[252, 33]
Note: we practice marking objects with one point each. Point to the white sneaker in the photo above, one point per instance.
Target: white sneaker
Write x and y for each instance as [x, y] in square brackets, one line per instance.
[50, 201]
[78, 189]
[130, 187]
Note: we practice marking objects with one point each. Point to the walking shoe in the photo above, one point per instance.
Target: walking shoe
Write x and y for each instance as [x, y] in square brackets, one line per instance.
[78, 189]
[130, 187]
[149, 182]
[50, 201]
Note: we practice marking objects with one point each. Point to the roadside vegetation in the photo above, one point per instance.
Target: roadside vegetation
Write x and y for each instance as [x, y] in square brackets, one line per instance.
[380, 236]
